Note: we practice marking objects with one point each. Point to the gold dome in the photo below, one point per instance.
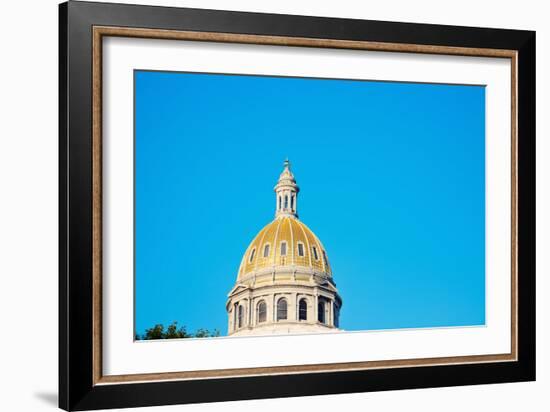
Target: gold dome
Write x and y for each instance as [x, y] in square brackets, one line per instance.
[284, 284]
[286, 241]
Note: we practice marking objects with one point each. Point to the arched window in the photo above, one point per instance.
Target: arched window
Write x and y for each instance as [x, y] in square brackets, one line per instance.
[266, 250]
[300, 249]
[280, 202]
[325, 258]
[252, 254]
[262, 311]
[283, 248]
[281, 309]
[240, 316]
[286, 202]
[315, 255]
[302, 310]
[292, 202]
[321, 312]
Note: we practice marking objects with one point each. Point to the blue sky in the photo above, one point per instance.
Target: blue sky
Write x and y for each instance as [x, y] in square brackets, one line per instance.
[391, 177]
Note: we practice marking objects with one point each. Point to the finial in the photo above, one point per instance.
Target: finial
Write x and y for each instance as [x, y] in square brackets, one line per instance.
[286, 164]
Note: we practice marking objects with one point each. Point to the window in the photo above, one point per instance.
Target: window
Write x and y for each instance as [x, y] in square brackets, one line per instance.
[286, 202]
[280, 202]
[300, 249]
[252, 254]
[266, 251]
[292, 202]
[262, 311]
[302, 310]
[321, 312]
[336, 316]
[325, 258]
[315, 255]
[283, 249]
[240, 316]
[281, 309]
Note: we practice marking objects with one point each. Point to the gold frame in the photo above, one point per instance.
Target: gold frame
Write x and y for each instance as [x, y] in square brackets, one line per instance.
[101, 31]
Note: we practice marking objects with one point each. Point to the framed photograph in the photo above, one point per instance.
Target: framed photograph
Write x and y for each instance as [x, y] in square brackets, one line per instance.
[256, 205]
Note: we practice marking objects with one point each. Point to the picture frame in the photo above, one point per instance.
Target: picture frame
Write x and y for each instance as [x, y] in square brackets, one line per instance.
[84, 26]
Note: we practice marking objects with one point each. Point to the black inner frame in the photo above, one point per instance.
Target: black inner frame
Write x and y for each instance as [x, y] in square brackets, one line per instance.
[76, 389]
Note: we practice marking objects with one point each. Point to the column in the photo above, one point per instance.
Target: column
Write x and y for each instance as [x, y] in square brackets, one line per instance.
[273, 310]
[315, 306]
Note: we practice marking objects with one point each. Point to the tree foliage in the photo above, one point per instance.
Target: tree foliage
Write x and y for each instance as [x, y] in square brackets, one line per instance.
[173, 332]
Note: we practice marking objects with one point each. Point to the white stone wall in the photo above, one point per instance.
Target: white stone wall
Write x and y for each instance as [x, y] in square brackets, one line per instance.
[249, 297]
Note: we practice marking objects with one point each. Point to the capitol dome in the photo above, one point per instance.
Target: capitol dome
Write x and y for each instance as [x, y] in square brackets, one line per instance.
[286, 241]
[284, 282]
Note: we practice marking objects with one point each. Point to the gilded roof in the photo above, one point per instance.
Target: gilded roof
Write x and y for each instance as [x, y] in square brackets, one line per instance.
[301, 248]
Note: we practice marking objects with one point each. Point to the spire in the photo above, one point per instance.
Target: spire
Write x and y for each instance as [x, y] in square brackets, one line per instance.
[286, 164]
[286, 193]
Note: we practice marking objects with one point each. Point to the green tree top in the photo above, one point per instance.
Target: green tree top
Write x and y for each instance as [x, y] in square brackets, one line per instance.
[173, 332]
